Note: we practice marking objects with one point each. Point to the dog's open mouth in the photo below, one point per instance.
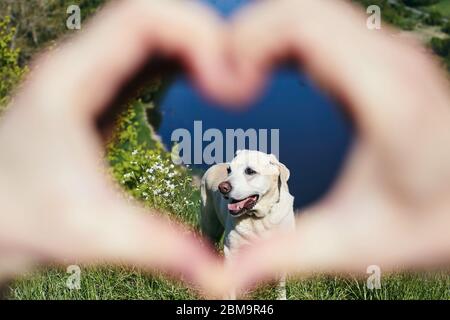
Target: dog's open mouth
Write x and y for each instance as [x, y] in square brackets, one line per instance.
[236, 207]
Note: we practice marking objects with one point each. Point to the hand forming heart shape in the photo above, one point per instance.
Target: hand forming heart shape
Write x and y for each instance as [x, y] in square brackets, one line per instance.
[389, 208]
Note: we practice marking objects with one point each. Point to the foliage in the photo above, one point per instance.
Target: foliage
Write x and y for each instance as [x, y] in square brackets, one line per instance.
[416, 3]
[125, 283]
[393, 13]
[148, 174]
[434, 18]
[39, 23]
[10, 71]
[446, 28]
[98, 283]
[442, 48]
[444, 7]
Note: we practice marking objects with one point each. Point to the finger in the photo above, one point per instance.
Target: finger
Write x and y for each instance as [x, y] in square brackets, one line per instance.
[335, 242]
[381, 79]
[84, 74]
[155, 243]
[119, 233]
[392, 88]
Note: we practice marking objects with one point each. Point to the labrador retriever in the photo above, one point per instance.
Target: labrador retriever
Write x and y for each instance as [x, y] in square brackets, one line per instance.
[245, 199]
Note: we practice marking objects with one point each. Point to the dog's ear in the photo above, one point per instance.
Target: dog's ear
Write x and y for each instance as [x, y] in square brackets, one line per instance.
[283, 170]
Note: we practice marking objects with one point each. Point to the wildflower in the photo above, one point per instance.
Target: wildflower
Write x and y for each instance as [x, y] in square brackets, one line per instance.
[127, 175]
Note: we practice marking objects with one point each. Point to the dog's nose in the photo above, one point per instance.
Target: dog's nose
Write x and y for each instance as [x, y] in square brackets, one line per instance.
[224, 187]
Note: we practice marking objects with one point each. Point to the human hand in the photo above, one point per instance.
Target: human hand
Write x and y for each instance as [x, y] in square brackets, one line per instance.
[388, 208]
[391, 204]
[57, 204]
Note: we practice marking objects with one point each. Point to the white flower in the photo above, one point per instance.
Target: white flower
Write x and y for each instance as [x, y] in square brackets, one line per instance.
[135, 152]
[128, 175]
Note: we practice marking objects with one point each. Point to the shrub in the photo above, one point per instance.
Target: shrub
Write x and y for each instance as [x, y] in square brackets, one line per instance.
[442, 48]
[10, 71]
[434, 18]
[446, 28]
[148, 174]
[417, 3]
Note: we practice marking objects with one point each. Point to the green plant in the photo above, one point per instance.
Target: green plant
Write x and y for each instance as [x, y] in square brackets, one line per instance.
[442, 48]
[10, 70]
[147, 173]
[434, 18]
[446, 28]
[414, 3]
[392, 12]
[39, 23]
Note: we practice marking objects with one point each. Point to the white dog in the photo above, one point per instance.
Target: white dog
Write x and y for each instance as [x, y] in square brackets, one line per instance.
[244, 199]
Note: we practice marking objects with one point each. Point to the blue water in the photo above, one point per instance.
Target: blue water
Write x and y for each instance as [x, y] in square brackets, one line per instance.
[314, 135]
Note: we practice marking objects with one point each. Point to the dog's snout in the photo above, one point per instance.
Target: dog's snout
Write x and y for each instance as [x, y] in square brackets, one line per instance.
[224, 187]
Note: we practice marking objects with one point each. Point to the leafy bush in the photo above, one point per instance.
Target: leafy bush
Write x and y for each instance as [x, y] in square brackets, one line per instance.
[434, 18]
[10, 71]
[39, 23]
[446, 28]
[416, 3]
[442, 48]
[394, 13]
[148, 174]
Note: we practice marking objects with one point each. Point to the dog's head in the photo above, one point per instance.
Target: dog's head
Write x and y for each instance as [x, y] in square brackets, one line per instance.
[255, 180]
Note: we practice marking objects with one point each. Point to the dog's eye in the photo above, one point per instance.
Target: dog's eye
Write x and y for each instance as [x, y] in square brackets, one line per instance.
[228, 170]
[250, 171]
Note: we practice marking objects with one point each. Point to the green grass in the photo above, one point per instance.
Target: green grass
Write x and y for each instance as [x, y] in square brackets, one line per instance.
[102, 283]
[120, 283]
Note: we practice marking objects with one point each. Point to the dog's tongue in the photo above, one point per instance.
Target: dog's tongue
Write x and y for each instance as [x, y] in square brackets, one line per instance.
[237, 206]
